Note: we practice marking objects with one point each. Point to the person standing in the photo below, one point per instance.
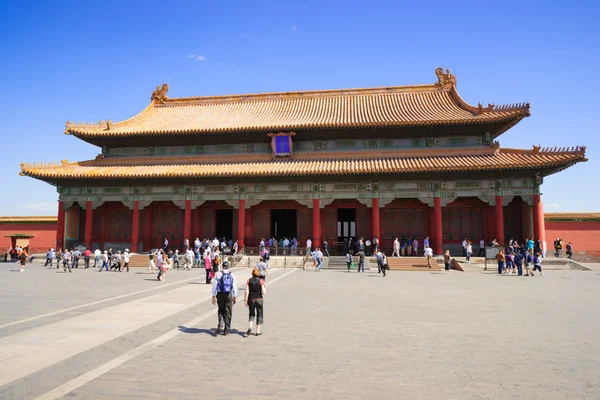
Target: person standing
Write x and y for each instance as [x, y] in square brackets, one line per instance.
[469, 251]
[224, 294]
[67, 257]
[318, 255]
[447, 262]
[361, 261]
[415, 246]
[501, 259]
[104, 259]
[325, 247]
[59, 255]
[308, 246]
[166, 244]
[176, 257]
[186, 244]
[235, 248]
[429, 255]
[253, 298]
[464, 246]
[481, 248]
[518, 262]
[126, 259]
[348, 261]
[396, 252]
[426, 242]
[375, 243]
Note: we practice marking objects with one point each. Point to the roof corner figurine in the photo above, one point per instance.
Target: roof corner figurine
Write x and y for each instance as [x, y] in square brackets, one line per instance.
[281, 144]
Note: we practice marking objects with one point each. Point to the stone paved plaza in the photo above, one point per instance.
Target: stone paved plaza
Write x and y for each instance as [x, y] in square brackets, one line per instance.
[329, 335]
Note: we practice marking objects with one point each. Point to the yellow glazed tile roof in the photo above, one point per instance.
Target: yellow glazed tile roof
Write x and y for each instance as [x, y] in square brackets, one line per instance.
[28, 220]
[436, 104]
[501, 159]
[572, 217]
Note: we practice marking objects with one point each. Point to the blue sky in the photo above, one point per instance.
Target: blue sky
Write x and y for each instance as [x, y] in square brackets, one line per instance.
[69, 61]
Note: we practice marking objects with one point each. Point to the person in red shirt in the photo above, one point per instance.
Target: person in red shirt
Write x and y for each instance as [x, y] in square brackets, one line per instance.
[86, 258]
[253, 298]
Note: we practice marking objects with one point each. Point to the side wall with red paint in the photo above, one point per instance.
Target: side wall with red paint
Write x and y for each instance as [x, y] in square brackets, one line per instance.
[44, 236]
[584, 235]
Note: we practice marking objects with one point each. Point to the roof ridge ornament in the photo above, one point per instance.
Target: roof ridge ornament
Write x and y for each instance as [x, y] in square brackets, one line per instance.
[445, 79]
[160, 94]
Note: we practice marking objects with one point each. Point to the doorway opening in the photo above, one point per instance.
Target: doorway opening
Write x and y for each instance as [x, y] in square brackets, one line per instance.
[346, 223]
[224, 224]
[284, 223]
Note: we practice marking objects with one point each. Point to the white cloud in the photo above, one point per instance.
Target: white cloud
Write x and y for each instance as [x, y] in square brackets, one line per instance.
[553, 206]
[197, 57]
[38, 207]
[293, 28]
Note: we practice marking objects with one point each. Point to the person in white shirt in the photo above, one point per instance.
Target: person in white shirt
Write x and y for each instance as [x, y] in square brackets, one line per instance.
[189, 259]
[318, 256]
[396, 252]
[215, 243]
[308, 245]
[126, 259]
[196, 244]
[464, 246]
[235, 248]
[97, 261]
[104, 261]
[429, 255]
[415, 245]
[481, 247]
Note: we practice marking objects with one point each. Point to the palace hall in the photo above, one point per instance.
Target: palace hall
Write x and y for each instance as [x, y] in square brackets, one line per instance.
[381, 162]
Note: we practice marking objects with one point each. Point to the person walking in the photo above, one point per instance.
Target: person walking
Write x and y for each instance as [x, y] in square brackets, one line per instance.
[97, 256]
[151, 261]
[126, 259]
[361, 261]
[518, 262]
[76, 256]
[429, 255]
[481, 248]
[447, 262]
[104, 259]
[86, 258]
[318, 254]
[384, 265]
[325, 247]
[348, 261]
[23, 260]
[379, 258]
[528, 264]
[569, 251]
[510, 263]
[208, 268]
[253, 298]
[176, 258]
[224, 294]
[537, 264]
[235, 248]
[263, 269]
[59, 255]
[67, 257]
[160, 259]
[48, 258]
[396, 252]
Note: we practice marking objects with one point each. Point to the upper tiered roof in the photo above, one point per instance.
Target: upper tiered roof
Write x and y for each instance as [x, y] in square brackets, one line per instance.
[437, 104]
[364, 164]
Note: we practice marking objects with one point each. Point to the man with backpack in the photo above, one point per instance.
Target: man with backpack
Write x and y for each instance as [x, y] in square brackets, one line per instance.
[224, 294]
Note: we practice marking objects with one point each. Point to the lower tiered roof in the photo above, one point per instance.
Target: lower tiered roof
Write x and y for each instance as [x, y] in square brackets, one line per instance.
[368, 163]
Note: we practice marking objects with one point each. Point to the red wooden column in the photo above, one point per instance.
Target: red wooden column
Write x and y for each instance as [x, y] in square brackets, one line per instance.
[437, 222]
[539, 225]
[135, 228]
[499, 220]
[241, 224]
[376, 220]
[60, 229]
[187, 222]
[89, 215]
[316, 224]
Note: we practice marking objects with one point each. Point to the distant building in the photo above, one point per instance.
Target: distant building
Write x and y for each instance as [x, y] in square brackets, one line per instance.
[386, 162]
[37, 234]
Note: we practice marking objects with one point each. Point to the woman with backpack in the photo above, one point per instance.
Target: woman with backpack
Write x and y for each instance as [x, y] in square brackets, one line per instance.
[253, 298]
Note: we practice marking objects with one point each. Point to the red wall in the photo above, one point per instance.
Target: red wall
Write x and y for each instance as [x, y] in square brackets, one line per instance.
[585, 236]
[44, 236]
